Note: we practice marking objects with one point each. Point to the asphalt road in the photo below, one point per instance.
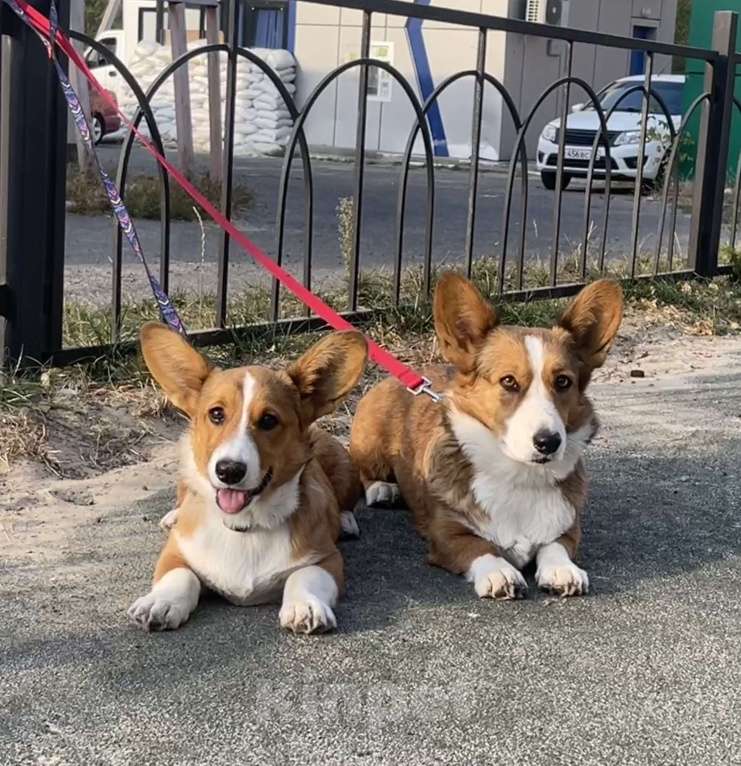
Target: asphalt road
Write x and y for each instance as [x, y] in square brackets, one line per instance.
[645, 670]
[89, 238]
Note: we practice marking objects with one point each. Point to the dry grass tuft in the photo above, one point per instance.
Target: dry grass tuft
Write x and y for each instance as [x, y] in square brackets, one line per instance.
[89, 418]
[23, 436]
[85, 196]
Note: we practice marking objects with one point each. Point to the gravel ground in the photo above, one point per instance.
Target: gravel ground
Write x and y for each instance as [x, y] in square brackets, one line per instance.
[645, 670]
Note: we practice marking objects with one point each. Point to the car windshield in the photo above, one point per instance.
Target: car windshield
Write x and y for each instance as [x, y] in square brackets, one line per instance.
[670, 92]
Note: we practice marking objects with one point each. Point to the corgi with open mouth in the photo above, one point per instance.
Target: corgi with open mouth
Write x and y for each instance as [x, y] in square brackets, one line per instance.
[493, 472]
[263, 490]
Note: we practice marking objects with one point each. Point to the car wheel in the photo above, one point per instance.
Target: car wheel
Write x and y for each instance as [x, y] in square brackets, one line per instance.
[656, 184]
[549, 180]
[98, 131]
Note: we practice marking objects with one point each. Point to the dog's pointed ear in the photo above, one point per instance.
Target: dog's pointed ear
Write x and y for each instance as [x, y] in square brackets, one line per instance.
[175, 365]
[593, 319]
[328, 371]
[463, 319]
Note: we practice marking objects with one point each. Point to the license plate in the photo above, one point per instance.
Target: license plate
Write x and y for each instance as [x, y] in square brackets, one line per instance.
[572, 153]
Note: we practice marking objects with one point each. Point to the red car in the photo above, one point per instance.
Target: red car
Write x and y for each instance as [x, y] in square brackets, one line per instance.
[105, 118]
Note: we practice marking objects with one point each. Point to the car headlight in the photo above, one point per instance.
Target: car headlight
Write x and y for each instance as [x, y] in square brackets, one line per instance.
[550, 133]
[629, 137]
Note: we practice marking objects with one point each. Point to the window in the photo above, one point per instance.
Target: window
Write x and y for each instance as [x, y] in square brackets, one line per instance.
[95, 59]
[147, 24]
[379, 80]
[264, 24]
[638, 58]
[670, 92]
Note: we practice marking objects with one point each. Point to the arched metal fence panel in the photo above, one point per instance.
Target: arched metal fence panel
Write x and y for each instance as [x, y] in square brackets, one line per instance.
[506, 250]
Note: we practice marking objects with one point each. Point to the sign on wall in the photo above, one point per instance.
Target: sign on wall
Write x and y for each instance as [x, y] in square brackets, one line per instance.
[379, 81]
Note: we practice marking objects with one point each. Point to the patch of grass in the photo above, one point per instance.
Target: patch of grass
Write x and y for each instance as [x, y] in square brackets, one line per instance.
[117, 383]
[709, 306]
[731, 257]
[23, 437]
[109, 405]
[85, 195]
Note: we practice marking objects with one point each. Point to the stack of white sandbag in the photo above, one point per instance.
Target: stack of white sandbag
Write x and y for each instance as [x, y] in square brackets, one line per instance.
[147, 61]
[262, 123]
[268, 109]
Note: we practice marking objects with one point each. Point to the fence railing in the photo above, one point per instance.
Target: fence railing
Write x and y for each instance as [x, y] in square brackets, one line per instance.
[32, 135]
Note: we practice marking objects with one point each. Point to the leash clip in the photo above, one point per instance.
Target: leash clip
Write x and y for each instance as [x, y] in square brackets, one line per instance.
[425, 387]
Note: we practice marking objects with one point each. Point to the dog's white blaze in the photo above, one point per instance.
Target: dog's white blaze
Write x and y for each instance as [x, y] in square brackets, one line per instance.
[523, 503]
[536, 412]
[241, 446]
[244, 567]
[267, 511]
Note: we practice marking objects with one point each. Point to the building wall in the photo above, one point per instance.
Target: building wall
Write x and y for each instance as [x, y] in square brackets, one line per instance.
[532, 64]
[327, 37]
[139, 22]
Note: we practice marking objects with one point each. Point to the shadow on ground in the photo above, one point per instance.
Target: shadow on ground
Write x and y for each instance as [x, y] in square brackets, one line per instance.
[644, 670]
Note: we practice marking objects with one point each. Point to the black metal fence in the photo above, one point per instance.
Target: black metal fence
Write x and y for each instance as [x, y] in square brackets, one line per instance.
[32, 173]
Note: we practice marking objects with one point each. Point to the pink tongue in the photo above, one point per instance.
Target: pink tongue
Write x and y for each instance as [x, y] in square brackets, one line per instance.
[232, 500]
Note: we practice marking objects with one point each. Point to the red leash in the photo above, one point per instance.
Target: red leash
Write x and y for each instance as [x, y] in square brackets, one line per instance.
[416, 383]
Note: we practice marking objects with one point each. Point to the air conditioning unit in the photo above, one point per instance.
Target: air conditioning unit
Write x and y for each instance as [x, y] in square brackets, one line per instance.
[553, 12]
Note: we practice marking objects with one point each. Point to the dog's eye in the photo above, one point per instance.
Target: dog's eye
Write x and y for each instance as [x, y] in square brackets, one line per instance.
[509, 383]
[216, 415]
[267, 422]
[563, 382]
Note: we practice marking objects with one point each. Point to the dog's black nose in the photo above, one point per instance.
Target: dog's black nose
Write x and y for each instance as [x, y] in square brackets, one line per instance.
[546, 442]
[230, 471]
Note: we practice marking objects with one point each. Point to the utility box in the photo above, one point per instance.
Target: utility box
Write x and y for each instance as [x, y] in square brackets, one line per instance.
[701, 36]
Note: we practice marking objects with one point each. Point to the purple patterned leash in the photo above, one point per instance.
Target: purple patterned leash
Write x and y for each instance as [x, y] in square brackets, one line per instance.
[166, 308]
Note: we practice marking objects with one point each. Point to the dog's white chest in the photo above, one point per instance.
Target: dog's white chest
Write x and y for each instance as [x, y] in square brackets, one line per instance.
[520, 519]
[244, 567]
[523, 506]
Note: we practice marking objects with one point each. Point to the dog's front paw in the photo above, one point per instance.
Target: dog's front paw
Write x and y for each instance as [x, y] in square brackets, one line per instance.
[495, 577]
[158, 612]
[168, 521]
[562, 579]
[309, 615]
[381, 493]
[349, 529]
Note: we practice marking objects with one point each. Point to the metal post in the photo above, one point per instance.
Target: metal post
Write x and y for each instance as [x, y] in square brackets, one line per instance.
[214, 95]
[558, 202]
[232, 32]
[713, 143]
[181, 83]
[33, 139]
[359, 162]
[80, 84]
[160, 22]
[473, 182]
[638, 191]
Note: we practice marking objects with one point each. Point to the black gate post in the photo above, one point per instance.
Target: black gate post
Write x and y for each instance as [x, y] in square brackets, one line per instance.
[33, 144]
[713, 144]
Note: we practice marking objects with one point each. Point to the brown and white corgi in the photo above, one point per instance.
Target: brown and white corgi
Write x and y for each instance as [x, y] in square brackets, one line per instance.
[263, 489]
[493, 472]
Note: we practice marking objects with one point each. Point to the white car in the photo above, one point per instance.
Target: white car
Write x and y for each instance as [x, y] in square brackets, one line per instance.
[624, 133]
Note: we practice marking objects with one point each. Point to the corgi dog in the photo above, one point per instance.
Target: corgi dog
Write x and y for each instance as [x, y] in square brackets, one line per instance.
[493, 472]
[259, 506]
